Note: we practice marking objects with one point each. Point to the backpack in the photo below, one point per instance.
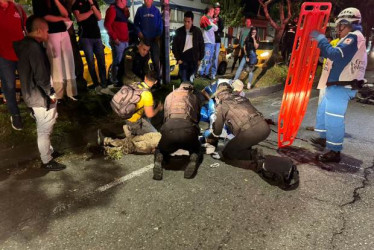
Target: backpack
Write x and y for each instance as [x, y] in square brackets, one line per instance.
[125, 100]
[279, 171]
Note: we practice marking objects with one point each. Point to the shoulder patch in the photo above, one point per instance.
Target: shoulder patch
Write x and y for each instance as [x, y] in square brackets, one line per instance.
[348, 41]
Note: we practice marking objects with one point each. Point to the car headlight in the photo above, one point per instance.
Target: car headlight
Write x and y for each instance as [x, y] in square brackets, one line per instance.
[265, 54]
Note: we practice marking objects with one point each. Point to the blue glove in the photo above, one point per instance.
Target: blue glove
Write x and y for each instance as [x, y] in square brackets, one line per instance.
[316, 36]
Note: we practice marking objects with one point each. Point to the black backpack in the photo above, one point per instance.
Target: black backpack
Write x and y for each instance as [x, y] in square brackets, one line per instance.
[125, 100]
[279, 171]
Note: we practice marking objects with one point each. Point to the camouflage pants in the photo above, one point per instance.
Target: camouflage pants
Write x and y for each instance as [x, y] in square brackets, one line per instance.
[144, 144]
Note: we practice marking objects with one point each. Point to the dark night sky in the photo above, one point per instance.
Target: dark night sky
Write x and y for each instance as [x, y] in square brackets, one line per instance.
[251, 7]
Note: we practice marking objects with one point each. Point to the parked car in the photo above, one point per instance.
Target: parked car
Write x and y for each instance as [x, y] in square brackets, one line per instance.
[264, 52]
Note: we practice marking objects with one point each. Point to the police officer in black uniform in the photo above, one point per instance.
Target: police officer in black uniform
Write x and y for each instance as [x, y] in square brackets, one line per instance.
[243, 120]
[180, 129]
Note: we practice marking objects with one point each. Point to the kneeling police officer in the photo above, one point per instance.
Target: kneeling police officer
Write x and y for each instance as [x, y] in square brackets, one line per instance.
[243, 120]
[180, 129]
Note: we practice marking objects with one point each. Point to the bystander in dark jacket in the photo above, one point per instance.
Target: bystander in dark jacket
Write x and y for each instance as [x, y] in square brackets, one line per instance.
[35, 75]
[188, 48]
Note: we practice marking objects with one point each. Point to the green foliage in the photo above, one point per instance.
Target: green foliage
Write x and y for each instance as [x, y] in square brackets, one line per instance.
[231, 12]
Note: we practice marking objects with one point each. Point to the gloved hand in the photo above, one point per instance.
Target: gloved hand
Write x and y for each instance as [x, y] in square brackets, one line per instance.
[316, 36]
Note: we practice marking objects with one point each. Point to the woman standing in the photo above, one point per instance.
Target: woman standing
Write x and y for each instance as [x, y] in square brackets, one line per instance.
[59, 50]
[251, 43]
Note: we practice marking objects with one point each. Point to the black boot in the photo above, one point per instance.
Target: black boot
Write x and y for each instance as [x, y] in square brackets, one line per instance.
[157, 169]
[192, 166]
[331, 156]
[257, 157]
[318, 141]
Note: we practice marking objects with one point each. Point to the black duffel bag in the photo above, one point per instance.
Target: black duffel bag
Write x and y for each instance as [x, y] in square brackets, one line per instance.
[279, 171]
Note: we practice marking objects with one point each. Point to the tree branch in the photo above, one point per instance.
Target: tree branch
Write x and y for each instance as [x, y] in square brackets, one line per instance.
[281, 12]
[266, 11]
[289, 14]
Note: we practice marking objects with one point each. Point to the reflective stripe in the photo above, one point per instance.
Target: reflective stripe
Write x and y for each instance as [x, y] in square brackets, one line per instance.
[341, 51]
[337, 144]
[327, 113]
[320, 130]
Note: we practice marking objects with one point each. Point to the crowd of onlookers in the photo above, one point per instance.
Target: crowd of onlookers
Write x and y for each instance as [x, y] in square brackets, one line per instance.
[196, 50]
[43, 49]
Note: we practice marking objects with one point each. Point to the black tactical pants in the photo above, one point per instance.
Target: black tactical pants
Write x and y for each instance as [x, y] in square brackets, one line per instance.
[179, 134]
[239, 148]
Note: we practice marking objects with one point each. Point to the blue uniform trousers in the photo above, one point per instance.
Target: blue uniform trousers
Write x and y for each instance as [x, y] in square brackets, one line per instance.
[330, 116]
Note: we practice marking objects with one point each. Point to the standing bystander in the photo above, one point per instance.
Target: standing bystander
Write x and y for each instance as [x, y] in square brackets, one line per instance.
[148, 23]
[87, 13]
[59, 49]
[116, 24]
[244, 32]
[188, 48]
[38, 94]
[208, 26]
[218, 34]
[12, 23]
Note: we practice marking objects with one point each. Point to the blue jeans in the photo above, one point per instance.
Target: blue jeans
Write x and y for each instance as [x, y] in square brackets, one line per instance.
[117, 54]
[8, 84]
[207, 60]
[215, 59]
[249, 69]
[331, 115]
[240, 68]
[186, 70]
[90, 47]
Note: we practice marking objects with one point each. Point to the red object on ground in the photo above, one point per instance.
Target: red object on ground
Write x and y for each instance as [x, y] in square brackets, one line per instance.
[303, 64]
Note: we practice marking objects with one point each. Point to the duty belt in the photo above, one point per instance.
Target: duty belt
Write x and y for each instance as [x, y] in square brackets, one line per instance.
[355, 84]
[182, 116]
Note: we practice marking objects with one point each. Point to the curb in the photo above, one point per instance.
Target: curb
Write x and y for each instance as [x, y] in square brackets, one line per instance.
[264, 91]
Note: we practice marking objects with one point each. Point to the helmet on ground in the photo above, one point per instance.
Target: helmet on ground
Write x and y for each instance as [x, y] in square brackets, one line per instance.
[349, 15]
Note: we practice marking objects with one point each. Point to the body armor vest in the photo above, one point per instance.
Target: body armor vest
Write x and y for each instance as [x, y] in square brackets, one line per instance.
[240, 112]
[182, 105]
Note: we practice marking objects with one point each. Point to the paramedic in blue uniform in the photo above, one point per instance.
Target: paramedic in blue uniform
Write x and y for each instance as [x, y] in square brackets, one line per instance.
[346, 74]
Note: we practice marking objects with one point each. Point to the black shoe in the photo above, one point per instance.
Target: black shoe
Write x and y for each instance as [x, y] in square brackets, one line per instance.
[192, 166]
[56, 154]
[318, 141]
[16, 122]
[157, 169]
[330, 156]
[53, 166]
[100, 138]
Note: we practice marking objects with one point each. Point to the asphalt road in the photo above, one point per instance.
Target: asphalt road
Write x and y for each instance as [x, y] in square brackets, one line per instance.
[103, 204]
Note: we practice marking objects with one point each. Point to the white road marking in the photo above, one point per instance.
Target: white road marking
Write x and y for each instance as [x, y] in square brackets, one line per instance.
[63, 206]
[124, 178]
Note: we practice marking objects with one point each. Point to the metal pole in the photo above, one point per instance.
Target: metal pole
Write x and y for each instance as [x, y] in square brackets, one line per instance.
[166, 39]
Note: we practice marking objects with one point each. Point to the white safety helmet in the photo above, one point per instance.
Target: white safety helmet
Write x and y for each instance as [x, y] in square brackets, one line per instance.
[349, 15]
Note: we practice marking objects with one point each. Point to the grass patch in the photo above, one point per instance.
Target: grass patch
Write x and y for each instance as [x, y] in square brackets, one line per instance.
[270, 76]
